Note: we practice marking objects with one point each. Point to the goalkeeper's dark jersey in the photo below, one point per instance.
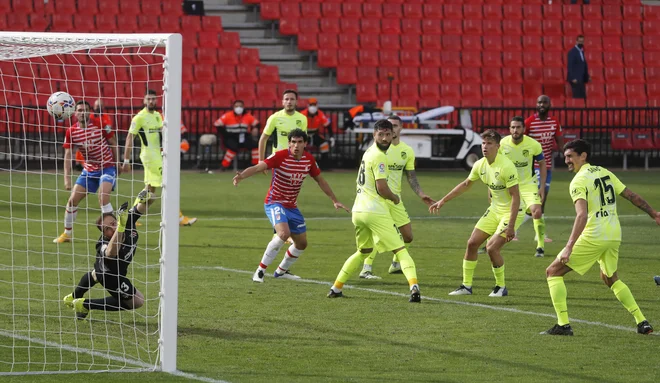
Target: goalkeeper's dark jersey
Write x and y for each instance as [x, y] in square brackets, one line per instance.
[119, 265]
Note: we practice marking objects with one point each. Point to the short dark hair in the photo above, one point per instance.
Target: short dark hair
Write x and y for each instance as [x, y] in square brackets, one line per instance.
[289, 91]
[83, 102]
[394, 117]
[383, 125]
[298, 133]
[491, 134]
[579, 146]
[150, 92]
[518, 119]
[579, 37]
[99, 220]
[235, 101]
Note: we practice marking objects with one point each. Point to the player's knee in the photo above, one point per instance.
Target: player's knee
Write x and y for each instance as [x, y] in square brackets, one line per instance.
[473, 243]
[537, 213]
[407, 237]
[284, 235]
[300, 244]
[492, 248]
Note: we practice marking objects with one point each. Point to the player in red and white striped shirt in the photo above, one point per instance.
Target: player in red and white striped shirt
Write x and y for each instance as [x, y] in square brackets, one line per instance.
[99, 149]
[547, 131]
[290, 168]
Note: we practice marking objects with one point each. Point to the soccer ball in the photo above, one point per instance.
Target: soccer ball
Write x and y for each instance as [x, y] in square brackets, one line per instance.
[61, 105]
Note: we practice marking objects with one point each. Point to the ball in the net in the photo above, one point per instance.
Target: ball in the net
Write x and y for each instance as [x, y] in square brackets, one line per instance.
[61, 105]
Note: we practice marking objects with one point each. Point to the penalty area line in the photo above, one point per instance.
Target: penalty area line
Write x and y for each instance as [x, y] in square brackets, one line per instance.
[142, 366]
[440, 300]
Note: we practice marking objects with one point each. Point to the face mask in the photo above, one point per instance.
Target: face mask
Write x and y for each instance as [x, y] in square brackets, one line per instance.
[238, 110]
[580, 46]
[313, 109]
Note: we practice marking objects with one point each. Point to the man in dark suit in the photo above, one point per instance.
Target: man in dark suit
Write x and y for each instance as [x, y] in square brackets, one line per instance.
[578, 72]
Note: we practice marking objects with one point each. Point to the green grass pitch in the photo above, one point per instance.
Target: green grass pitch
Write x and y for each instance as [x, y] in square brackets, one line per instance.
[235, 330]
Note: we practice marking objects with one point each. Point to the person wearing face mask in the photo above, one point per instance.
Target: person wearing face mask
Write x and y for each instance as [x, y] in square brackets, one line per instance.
[238, 129]
[578, 71]
[317, 120]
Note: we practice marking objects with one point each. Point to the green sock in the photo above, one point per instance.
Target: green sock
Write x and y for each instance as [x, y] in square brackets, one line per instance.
[351, 265]
[370, 258]
[558, 296]
[499, 276]
[539, 228]
[626, 298]
[468, 272]
[407, 266]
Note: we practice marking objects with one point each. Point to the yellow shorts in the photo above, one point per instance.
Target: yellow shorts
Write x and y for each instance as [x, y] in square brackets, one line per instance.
[586, 253]
[399, 214]
[492, 222]
[153, 174]
[530, 197]
[376, 229]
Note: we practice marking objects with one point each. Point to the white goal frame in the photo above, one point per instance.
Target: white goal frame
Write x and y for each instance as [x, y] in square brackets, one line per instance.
[56, 43]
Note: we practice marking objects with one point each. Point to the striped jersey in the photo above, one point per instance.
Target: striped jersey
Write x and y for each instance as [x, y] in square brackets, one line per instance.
[543, 131]
[288, 176]
[93, 144]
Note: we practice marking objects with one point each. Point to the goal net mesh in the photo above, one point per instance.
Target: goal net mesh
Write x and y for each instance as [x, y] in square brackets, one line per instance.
[38, 332]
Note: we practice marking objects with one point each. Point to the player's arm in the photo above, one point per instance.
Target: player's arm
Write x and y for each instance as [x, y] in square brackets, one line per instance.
[411, 175]
[544, 176]
[249, 172]
[385, 191]
[128, 149]
[581, 215]
[455, 192]
[265, 135]
[514, 192]
[638, 201]
[67, 168]
[325, 186]
[112, 141]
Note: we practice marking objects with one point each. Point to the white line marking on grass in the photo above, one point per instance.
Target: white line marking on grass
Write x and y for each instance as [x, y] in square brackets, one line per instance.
[430, 217]
[471, 304]
[78, 350]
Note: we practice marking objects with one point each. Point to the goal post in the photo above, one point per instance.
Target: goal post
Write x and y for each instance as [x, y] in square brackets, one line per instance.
[38, 334]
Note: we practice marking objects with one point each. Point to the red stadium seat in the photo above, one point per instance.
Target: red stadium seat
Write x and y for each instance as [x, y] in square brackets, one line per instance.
[614, 75]
[492, 27]
[472, 43]
[553, 44]
[230, 40]
[80, 23]
[367, 75]
[449, 26]
[414, 11]
[612, 44]
[390, 42]
[369, 57]
[62, 23]
[451, 11]
[512, 91]
[451, 43]
[365, 93]
[511, 43]
[228, 56]
[429, 75]
[492, 58]
[207, 55]
[226, 73]
[309, 26]
[372, 9]
[349, 41]
[472, 27]
[270, 10]
[370, 26]
[429, 92]
[23, 7]
[432, 58]
[245, 91]
[473, 11]
[310, 10]
[267, 91]
[384, 91]
[553, 58]
[532, 27]
[249, 56]
[471, 75]
[615, 91]
[651, 13]
[611, 27]
[431, 42]
[410, 58]
[307, 42]
[331, 10]
[148, 23]
[169, 23]
[289, 26]
[410, 91]
[269, 74]
[634, 75]
[450, 75]
[327, 58]
[106, 23]
[348, 57]
[512, 75]
[173, 8]
[369, 41]
[632, 12]
[347, 75]
[351, 9]
[328, 41]
[409, 74]
[621, 139]
[532, 43]
[491, 75]
[411, 27]
[210, 23]
[492, 43]
[613, 59]
[391, 11]
[204, 73]
[191, 23]
[492, 12]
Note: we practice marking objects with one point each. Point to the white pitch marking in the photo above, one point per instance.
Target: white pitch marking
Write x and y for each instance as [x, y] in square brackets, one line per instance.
[348, 218]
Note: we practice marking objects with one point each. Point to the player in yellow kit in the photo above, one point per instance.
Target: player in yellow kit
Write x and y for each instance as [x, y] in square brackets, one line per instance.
[523, 150]
[148, 125]
[374, 226]
[281, 123]
[500, 176]
[596, 235]
[400, 159]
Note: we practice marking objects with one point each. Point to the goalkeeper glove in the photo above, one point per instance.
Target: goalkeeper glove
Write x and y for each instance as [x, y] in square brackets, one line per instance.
[122, 217]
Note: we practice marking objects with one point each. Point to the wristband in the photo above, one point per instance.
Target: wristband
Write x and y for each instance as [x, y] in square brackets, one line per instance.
[127, 161]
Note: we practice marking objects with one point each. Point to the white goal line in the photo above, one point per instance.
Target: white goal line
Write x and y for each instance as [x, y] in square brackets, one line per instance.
[456, 302]
[429, 217]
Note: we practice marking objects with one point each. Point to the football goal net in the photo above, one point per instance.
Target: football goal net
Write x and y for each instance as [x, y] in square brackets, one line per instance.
[56, 179]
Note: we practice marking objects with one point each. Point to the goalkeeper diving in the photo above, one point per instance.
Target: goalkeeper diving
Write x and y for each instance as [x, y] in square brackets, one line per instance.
[114, 253]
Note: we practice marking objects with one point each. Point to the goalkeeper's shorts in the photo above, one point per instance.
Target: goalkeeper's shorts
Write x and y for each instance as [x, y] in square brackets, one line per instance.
[92, 180]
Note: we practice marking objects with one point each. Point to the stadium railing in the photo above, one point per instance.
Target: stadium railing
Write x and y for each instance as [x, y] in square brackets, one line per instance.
[20, 135]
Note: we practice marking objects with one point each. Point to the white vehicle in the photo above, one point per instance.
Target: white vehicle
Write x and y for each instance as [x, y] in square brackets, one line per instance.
[452, 145]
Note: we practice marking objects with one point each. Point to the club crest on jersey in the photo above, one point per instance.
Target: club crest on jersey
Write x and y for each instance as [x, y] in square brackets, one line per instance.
[298, 123]
[404, 155]
[525, 153]
[497, 174]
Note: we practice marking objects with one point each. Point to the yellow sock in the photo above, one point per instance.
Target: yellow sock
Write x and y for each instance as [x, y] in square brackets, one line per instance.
[370, 258]
[499, 276]
[539, 228]
[351, 265]
[407, 266]
[558, 295]
[468, 272]
[626, 298]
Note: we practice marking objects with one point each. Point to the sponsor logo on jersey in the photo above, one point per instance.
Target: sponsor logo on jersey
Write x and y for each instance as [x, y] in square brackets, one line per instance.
[381, 168]
[395, 167]
[493, 186]
[520, 164]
